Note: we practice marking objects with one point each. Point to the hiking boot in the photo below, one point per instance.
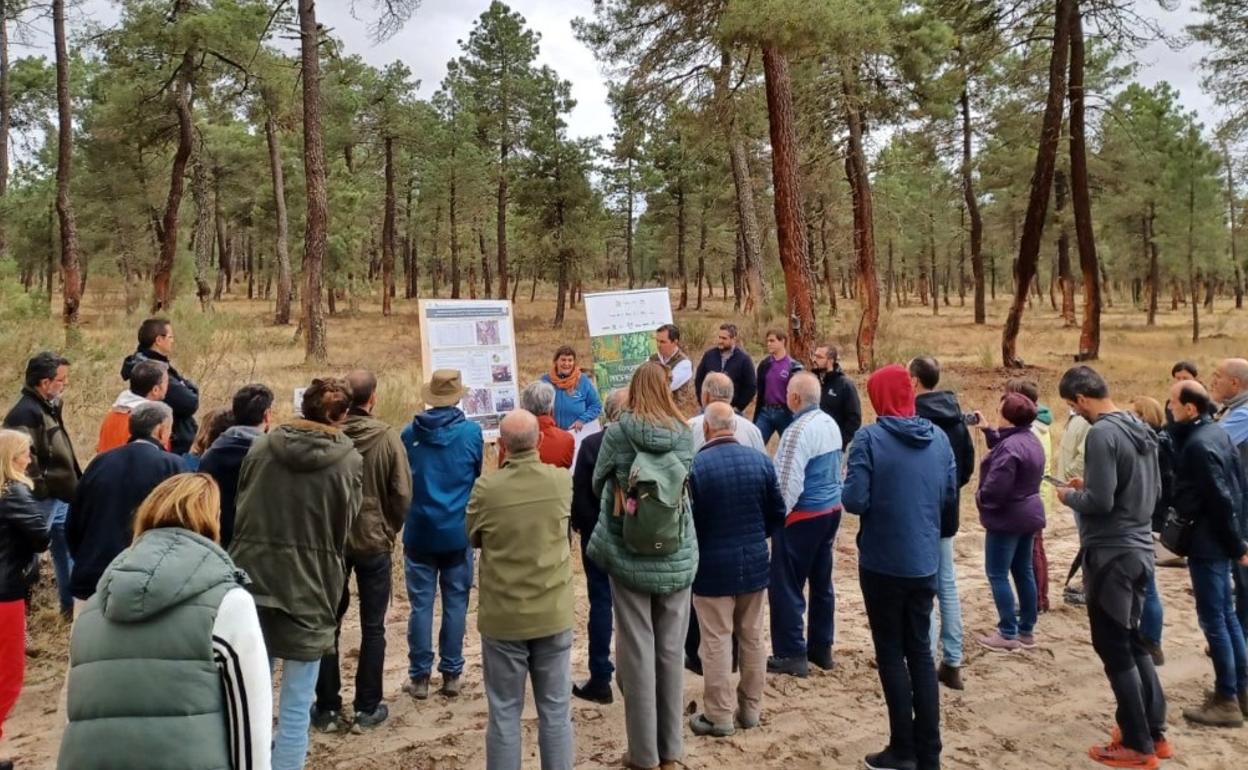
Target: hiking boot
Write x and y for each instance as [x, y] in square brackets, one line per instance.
[328, 721]
[1117, 755]
[798, 667]
[700, 725]
[950, 676]
[1075, 597]
[1217, 711]
[821, 657]
[1028, 641]
[745, 721]
[450, 685]
[995, 642]
[887, 760]
[418, 687]
[595, 691]
[367, 720]
[1162, 746]
[693, 665]
[1155, 652]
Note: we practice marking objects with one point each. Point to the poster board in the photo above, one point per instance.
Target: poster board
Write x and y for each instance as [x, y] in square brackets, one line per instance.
[477, 337]
[621, 332]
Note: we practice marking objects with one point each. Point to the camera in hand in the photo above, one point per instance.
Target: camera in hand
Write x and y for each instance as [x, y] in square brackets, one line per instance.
[970, 418]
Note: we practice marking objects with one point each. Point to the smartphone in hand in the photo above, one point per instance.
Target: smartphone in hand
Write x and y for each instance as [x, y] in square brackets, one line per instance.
[970, 418]
[1055, 481]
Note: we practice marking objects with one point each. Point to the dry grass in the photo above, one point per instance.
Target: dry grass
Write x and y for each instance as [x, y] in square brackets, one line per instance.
[1030, 711]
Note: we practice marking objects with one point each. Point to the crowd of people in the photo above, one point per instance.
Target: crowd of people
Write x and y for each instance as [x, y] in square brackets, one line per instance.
[215, 549]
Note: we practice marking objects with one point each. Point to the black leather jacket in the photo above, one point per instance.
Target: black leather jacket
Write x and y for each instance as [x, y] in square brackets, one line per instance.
[23, 535]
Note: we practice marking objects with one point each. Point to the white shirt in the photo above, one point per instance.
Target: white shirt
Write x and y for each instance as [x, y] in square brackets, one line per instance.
[746, 433]
[681, 372]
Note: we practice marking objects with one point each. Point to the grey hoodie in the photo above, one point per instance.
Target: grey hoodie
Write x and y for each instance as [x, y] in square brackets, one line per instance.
[1121, 484]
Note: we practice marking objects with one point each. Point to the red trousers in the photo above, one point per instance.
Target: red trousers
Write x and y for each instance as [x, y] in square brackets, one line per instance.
[1040, 564]
[12, 655]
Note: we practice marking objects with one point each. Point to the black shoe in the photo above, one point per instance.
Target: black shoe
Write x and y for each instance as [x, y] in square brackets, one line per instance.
[328, 720]
[950, 676]
[693, 665]
[6, 764]
[369, 719]
[798, 667]
[821, 657]
[594, 691]
[886, 760]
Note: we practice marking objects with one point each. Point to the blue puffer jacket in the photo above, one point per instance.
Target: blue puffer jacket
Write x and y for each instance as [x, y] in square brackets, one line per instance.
[736, 506]
[444, 450]
[901, 478]
[659, 575]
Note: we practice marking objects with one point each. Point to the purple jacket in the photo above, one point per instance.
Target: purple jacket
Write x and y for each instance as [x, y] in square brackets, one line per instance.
[1009, 482]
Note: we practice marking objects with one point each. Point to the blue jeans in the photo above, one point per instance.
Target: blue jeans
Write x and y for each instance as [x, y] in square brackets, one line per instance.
[801, 553]
[1006, 555]
[424, 577]
[62, 564]
[598, 585]
[1215, 609]
[1152, 616]
[294, 713]
[1240, 576]
[949, 636]
[772, 420]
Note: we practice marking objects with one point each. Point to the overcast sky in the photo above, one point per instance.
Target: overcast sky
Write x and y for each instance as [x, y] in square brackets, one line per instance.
[432, 38]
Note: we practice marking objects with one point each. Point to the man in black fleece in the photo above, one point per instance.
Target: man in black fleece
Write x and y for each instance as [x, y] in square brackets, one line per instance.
[941, 408]
[1115, 505]
[252, 408]
[182, 396]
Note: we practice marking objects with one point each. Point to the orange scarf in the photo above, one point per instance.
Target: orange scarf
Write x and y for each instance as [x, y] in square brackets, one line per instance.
[566, 384]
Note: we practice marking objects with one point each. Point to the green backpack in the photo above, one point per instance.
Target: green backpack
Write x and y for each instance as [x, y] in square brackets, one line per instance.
[656, 484]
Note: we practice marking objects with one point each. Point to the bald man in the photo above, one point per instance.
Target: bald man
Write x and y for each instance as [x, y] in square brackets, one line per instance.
[370, 543]
[717, 388]
[518, 517]
[808, 464]
[1209, 490]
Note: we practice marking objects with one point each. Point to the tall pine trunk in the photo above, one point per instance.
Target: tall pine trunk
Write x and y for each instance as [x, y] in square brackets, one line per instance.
[282, 247]
[682, 269]
[972, 207]
[790, 229]
[315, 244]
[1231, 207]
[203, 229]
[1041, 184]
[453, 213]
[1154, 263]
[1066, 281]
[1090, 335]
[753, 288]
[864, 236]
[71, 277]
[503, 151]
[628, 230]
[387, 230]
[6, 116]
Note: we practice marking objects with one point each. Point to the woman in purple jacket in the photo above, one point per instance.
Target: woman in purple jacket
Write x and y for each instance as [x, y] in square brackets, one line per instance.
[1012, 513]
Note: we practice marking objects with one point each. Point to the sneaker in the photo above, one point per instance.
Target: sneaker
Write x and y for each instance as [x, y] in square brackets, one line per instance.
[328, 721]
[821, 657]
[798, 667]
[450, 685]
[887, 760]
[1117, 755]
[1216, 711]
[370, 719]
[1155, 652]
[1074, 597]
[595, 691]
[1162, 746]
[1028, 641]
[418, 687]
[700, 725]
[950, 676]
[995, 642]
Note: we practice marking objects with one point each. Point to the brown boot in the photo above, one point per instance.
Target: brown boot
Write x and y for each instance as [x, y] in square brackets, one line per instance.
[1217, 711]
[950, 676]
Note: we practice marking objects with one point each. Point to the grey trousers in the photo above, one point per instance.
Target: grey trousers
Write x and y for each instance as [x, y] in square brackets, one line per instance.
[548, 661]
[650, 658]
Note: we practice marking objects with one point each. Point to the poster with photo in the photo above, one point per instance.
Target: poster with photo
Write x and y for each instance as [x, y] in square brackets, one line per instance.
[621, 332]
[477, 338]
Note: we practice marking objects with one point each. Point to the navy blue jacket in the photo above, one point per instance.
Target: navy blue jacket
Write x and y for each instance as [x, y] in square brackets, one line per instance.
[739, 368]
[224, 462]
[100, 519]
[736, 506]
[585, 504]
[1208, 488]
[901, 479]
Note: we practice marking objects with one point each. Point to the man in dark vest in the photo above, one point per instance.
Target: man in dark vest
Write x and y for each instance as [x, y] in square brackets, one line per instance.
[679, 366]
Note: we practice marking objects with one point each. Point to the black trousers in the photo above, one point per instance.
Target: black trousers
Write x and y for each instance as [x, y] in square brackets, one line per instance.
[373, 583]
[900, 613]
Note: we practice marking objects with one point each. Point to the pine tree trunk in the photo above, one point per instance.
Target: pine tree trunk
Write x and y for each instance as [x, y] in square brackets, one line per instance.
[487, 274]
[790, 229]
[1065, 279]
[754, 289]
[6, 121]
[387, 230]
[829, 280]
[889, 280]
[1041, 184]
[864, 236]
[225, 245]
[1090, 335]
[702, 234]
[628, 232]
[738, 273]
[972, 208]
[1193, 276]
[71, 278]
[933, 280]
[1154, 263]
[681, 268]
[281, 316]
[316, 245]
[503, 151]
[203, 230]
[1231, 209]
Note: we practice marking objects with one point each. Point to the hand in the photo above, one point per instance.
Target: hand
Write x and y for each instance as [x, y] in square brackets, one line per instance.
[1063, 493]
[1075, 483]
[1243, 560]
[981, 422]
[576, 426]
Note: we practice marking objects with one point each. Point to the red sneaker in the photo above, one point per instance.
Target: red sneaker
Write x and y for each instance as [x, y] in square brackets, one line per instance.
[1162, 747]
[1117, 755]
